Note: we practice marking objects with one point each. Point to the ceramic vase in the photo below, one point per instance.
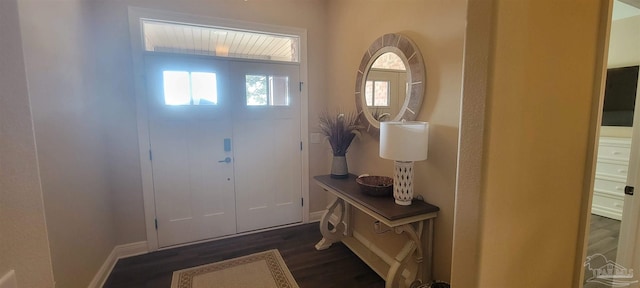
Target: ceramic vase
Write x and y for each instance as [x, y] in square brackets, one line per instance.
[339, 169]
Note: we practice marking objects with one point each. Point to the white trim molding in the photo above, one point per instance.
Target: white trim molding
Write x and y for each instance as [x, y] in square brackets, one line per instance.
[118, 252]
[316, 216]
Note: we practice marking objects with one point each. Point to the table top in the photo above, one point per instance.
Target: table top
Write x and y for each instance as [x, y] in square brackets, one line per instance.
[384, 206]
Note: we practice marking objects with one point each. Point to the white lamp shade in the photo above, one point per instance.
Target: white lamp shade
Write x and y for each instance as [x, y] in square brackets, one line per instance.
[404, 141]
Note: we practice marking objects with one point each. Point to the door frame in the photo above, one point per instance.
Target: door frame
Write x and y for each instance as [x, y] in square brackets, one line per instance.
[137, 54]
[628, 242]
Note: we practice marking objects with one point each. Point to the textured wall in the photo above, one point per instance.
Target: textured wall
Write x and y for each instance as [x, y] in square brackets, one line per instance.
[438, 30]
[465, 255]
[543, 81]
[23, 234]
[624, 42]
[60, 64]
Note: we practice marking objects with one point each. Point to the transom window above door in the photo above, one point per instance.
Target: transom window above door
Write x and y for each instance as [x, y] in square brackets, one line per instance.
[164, 36]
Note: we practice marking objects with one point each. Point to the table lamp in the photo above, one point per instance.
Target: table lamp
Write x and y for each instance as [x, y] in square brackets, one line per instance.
[404, 142]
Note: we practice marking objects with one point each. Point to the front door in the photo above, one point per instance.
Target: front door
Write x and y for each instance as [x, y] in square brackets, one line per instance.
[190, 133]
[225, 146]
[267, 144]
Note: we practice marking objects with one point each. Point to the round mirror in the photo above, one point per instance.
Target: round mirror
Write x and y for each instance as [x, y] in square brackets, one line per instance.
[390, 82]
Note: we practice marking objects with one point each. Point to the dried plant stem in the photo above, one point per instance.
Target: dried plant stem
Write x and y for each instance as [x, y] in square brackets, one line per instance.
[340, 129]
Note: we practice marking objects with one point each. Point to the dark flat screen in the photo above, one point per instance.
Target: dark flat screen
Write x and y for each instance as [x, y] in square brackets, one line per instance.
[620, 96]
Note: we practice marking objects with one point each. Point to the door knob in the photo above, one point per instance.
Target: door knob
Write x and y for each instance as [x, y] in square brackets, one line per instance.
[226, 160]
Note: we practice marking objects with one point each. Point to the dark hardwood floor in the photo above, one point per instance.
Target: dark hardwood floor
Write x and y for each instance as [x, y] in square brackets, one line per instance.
[603, 239]
[334, 267]
[603, 236]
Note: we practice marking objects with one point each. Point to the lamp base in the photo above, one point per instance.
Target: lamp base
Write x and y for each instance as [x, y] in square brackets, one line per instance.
[403, 202]
[403, 182]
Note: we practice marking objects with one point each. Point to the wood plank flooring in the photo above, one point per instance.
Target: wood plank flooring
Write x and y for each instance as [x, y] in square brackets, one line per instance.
[334, 267]
[603, 239]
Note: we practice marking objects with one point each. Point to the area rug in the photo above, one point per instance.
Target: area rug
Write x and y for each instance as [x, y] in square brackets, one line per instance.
[264, 269]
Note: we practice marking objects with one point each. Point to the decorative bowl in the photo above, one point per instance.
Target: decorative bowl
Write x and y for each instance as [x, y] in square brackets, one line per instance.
[378, 186]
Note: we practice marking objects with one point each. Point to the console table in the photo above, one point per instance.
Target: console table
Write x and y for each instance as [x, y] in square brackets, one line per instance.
[406, 220]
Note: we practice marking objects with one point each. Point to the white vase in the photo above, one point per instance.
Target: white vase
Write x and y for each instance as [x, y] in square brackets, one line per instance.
[339, 167]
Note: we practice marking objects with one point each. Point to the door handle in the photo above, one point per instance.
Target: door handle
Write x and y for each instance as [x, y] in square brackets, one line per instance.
[226, 160]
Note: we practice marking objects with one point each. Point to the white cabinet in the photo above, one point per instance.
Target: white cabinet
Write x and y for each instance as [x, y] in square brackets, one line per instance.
[611, 176]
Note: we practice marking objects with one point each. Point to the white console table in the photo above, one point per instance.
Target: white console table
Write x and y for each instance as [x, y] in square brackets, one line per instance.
[406, 220]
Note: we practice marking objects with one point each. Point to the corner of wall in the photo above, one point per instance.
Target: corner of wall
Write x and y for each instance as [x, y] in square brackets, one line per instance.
[118, 252]
[468, 205]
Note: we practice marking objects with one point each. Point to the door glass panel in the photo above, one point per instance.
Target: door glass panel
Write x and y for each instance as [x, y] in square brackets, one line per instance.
[177, 90]
[263, 90]
[279, 92]
[190, 88]
[256, 90]
[204, 88]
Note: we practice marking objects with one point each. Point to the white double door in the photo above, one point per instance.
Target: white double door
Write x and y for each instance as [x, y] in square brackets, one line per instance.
[224, 160]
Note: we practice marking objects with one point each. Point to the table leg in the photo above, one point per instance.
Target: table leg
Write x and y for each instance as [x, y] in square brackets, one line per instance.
[413, 245]
[429, 263]
[330, 236]
[395, 271]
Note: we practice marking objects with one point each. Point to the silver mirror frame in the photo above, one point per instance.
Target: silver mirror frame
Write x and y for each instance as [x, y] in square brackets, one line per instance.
[407, 50]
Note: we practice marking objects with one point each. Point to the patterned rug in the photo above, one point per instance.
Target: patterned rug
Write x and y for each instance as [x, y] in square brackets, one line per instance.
[264, 269]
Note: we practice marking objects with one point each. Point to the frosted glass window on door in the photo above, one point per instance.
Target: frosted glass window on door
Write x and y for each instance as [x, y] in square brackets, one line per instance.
[264, 90]
[204, 88]
[377, 93]
[279, 92]
[177, 90]
[190, 88]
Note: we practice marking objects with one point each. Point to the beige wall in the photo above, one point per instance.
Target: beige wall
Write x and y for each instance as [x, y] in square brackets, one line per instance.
[61, 73]
[624, 44]
[465, 254]
[83, 107]
[346, 43]
[624, 50]
[439, 31]
[543, 81]
[24, 246]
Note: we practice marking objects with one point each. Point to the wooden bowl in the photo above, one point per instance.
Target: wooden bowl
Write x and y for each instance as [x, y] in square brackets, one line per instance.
[378, 186]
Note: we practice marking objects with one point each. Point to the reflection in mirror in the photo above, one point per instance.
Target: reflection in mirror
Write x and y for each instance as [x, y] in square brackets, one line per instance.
[390, 82]
[386, 87]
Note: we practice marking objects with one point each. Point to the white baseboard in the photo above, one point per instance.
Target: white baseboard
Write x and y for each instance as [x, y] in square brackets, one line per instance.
[118, 252]
[131, 249]
[316, 216]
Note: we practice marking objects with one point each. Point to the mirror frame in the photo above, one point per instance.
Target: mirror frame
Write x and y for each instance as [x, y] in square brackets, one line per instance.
[407, 50]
